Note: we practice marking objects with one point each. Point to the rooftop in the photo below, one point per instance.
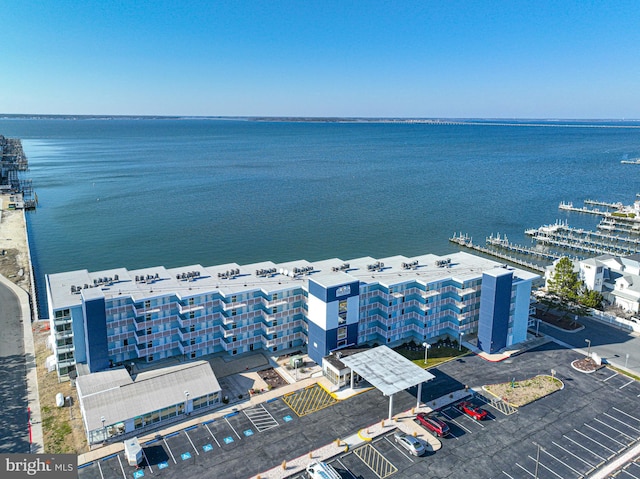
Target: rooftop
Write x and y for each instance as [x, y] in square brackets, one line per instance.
[68, 289]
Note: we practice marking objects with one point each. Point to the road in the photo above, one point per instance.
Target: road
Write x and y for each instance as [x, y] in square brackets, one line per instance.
[607, 341]
[14, 434]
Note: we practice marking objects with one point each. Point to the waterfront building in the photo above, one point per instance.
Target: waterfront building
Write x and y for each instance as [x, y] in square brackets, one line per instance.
[116, 404]
[617, 278]
[109, 318]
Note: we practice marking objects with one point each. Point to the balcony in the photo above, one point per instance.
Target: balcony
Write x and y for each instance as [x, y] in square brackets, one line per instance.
[189, 308]
[430, 293]
[62, 321]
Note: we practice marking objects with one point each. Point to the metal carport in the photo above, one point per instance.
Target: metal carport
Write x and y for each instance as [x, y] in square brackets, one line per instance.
[387, 371]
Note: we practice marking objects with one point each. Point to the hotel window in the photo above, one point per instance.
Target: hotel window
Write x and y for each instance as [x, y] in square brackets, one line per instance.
[234, 299]
[147, 317]
[192, 314]
[147, 304]
[234, 312]
[193, 355]
[234, 339]
[150, 344]
[148, 330]
[191, 301]
[192, 341]
[125, 342]
[342, 333]
[342, 312]
[192, 328]
[275, 296]
[251, 347]
[274, 310]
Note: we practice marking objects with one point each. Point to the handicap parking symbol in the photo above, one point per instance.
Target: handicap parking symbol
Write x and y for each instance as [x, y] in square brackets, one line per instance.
[185, 456]
[163, 465]
[138, 474]
[207, 447]
[287, 418]
[228, 440]
[248, 432]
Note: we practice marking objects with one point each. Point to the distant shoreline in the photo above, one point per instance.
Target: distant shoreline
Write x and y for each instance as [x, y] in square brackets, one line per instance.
[522, 122]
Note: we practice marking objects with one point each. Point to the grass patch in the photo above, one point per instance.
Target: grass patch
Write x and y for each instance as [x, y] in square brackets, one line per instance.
[61, 426]
[438, 353]
[520, 393]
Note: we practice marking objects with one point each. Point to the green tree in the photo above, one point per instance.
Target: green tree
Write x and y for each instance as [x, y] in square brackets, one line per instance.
[565, 282]
[591, 298]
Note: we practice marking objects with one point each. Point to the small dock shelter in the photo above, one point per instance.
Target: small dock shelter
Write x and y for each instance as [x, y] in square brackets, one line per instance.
[387, 371]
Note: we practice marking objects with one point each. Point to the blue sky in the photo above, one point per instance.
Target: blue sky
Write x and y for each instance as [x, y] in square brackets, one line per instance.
[471, 59]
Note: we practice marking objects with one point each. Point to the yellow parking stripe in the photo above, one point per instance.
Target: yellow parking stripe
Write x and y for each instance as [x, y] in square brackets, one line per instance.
[308, 400]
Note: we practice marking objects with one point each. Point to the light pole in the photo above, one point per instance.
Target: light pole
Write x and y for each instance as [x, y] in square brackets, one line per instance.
[104, 429]
[588, 341]
[460, 342]
[626, 360]
[186, 401]
[426, 349]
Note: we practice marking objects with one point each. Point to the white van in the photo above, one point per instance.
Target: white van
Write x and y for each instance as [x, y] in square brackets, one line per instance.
[320, 470]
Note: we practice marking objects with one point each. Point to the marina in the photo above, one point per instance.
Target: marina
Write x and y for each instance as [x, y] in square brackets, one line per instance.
[577, 239]
[503, 242]
[467, 242]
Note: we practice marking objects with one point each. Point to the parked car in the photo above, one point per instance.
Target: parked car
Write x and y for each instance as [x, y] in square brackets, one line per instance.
[472, 410]
[433, 424]
[410, 443]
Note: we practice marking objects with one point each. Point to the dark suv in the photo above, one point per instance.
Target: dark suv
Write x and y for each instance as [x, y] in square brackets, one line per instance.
[433, 424]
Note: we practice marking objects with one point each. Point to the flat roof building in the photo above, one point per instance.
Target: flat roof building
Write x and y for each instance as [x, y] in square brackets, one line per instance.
[109, 318]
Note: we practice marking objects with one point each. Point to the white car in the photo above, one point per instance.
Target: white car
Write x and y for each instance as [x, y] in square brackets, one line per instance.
[412, 444]
[321, 470]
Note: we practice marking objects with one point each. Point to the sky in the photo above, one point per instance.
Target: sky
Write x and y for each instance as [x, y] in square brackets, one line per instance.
[345, 58]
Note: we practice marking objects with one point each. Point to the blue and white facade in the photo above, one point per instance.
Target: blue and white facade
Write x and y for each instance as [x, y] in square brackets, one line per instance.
[112, 317]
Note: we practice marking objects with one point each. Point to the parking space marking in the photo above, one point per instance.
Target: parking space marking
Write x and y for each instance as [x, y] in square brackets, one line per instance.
[346, 468]
[374, 460]
[170, 451]
[621, 422]
[395, 446]
[546, 467]
[100, 469]
[611, 427]
[261, 418]
[628, 415]
[192, 445]
[628, 473]
[214, 438]
[625, 385]
[147, 459]
[507, 475]
[605, 435]
[594, 441]
[574, 455]
[234, 430]
[525, 470]
[612, 376]
[561, 462]
[585, 448]
[309, 399]
[453, 420]
[121, 468]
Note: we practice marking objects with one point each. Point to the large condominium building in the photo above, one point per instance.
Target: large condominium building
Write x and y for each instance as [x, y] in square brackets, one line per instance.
[112, 317]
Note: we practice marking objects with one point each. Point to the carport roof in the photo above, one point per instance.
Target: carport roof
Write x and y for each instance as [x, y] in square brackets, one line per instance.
[387, 370]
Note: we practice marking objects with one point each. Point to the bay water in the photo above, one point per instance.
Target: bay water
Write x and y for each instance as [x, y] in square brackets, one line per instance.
[177, 192]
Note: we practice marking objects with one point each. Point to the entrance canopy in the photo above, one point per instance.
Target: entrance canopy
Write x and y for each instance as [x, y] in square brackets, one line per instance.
[386, 370]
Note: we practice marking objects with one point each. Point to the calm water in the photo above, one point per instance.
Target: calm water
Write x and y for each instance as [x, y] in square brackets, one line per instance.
[138, 193]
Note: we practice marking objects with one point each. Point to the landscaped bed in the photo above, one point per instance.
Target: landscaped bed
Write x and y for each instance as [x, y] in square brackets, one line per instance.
[519, 393]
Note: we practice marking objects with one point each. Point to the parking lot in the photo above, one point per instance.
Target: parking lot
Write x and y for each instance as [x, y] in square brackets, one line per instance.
[565, 435]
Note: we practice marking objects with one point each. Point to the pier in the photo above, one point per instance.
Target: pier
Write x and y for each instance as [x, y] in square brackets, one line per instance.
[593, 211]
[615, 206]
[467, 242]
[503, 242]
[592, 242]
[612, 224]
[12, 162]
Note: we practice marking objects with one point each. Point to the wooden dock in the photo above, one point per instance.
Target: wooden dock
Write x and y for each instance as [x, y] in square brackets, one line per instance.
[467, 242]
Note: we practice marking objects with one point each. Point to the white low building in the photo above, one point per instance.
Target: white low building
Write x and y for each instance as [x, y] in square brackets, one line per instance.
[115, 404]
